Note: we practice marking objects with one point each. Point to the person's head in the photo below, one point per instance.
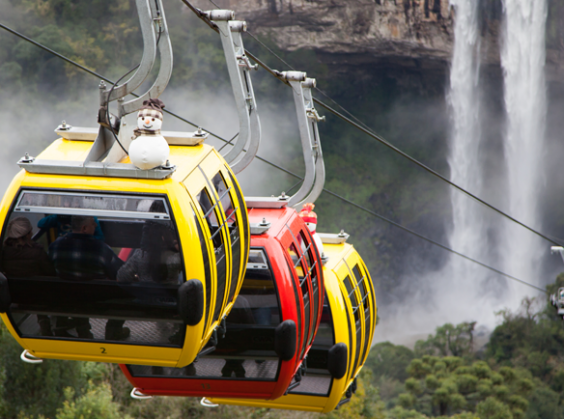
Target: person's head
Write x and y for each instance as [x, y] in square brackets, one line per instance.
[157, 206]
[19, 229]
[83, 225]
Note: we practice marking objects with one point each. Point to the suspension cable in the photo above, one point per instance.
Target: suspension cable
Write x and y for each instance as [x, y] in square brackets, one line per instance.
[366, 130]
[101, 77]
[335, 195]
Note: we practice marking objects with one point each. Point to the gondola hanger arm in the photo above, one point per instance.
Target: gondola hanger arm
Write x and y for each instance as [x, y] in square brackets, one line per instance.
[314, 178]
[239, 67]
[166, 62]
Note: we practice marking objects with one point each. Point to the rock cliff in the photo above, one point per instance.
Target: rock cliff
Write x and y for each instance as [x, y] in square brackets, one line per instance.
[406, 32]
[402, 34]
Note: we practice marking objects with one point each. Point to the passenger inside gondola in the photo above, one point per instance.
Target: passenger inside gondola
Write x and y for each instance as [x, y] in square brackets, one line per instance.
[157, 259]
[92, 287]
[80, 256]
[22, 257]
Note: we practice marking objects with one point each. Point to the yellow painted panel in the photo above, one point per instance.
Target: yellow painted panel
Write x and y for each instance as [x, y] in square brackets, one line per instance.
[195, 183]
[62, 149]
[101, 351]
[290, 402]
[211, 164]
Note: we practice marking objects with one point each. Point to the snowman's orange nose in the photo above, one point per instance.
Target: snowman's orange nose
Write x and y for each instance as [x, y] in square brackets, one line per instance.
[147, 121]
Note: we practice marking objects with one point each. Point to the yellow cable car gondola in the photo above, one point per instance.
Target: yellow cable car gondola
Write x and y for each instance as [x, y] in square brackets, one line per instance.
[105, 260]
[197, 221]
[343, 339]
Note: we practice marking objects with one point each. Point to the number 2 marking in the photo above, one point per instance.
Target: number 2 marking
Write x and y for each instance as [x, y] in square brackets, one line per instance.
[103, 350]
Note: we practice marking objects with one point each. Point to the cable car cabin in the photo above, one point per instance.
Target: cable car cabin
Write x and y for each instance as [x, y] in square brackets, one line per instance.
[270, 328]
[342, 342]
[557, 301]
[118, 269]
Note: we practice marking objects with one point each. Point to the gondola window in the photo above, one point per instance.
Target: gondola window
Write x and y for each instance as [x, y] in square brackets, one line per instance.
[104, 267]
[211, 212]
[299, 261]
[226, 197]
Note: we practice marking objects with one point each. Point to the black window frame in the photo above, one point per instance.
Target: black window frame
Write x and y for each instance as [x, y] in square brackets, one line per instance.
[70, 191]
[207, 265]
[365, 303]
[332, 328]
[220, 297]
[235, 252]
[244, 220]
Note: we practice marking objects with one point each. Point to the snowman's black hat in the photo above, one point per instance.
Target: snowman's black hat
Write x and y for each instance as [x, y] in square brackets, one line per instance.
[153, 108]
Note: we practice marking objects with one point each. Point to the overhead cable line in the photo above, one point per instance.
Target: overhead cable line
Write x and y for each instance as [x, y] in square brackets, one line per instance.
[94, 73]
[366, 130]
[316, 87]
[266, 47]
[360, 207]
[363, 128]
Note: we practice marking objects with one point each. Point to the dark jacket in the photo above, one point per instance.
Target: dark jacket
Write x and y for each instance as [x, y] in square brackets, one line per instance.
[26, 260]
[82, 257]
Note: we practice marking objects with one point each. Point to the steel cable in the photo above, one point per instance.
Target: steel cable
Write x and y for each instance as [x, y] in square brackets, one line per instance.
[335, 195]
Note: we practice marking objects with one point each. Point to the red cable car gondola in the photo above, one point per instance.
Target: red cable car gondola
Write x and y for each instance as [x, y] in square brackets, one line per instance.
[271, 326]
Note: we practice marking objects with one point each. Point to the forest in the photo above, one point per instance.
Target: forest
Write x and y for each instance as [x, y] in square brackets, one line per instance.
[517, 373]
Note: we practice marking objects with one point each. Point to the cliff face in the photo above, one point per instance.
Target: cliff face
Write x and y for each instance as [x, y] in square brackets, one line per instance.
[405, 35]
[355, 31]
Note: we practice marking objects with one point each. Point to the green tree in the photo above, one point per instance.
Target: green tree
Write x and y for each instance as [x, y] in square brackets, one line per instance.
[448, 340]
[365, 403]
[33, 390]
[446, 386]
[96, 403]
[387, 359]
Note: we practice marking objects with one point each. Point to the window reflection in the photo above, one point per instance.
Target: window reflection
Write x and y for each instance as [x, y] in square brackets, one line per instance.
[299, 260]
[247, 350]
[79, 276]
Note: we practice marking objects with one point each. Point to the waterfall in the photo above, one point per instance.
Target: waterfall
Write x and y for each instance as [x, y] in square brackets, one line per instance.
[468, 233]
[465, 138]
[522, 59]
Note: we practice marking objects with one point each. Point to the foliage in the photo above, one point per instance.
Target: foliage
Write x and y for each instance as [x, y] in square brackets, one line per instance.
[387, 359]
[446, 385]
[365, 403]
[32, 390]
[448, 340]
[97, 403]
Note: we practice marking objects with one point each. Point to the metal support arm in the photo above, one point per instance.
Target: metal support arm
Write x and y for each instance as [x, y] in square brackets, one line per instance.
[239, 68]
[165, 70]
[314, 178]
[153, 27]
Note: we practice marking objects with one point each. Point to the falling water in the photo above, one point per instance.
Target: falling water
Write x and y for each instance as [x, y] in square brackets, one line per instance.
[465, 113]
[523, 58]
[468, 226]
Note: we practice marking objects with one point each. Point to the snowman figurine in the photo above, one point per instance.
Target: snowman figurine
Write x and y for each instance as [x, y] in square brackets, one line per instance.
[149, 149]
[310, 219]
